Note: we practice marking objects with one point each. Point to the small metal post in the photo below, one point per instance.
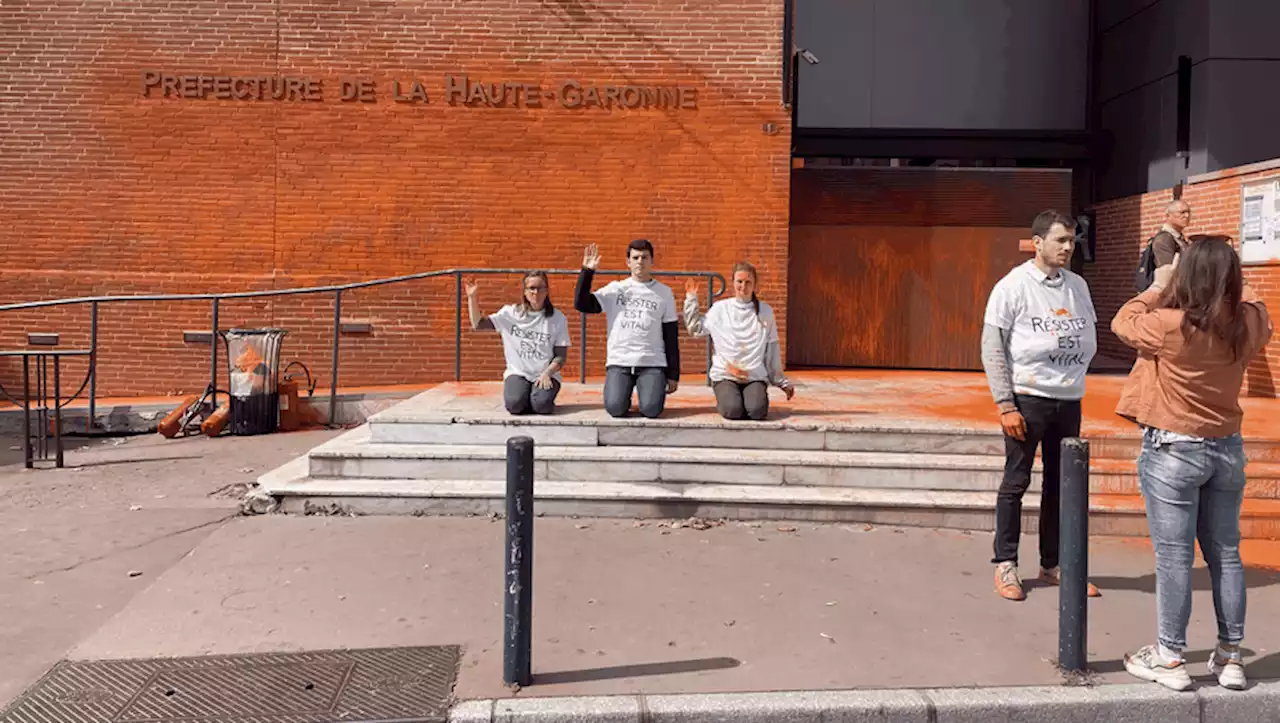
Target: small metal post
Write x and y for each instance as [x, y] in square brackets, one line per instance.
[1073, 513]
[213, 356]
[582, 348]
[457, 326]
[711, 295]
[93, 367]
[333, 372]
[42, 411]
[26, 410]
[57, 408]
[518, 580]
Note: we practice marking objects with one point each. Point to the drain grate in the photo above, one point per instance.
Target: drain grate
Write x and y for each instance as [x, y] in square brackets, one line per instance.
[348, 686]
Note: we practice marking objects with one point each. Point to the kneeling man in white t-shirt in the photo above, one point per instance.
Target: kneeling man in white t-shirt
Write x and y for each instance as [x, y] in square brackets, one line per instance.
[643, 349]
[1038, 338]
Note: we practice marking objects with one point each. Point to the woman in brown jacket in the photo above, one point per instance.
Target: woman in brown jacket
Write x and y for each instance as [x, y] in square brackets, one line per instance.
[1195, 329]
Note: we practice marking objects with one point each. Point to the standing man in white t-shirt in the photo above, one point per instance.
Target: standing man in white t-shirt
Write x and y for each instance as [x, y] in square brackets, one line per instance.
[643, 338]
[1038, 337]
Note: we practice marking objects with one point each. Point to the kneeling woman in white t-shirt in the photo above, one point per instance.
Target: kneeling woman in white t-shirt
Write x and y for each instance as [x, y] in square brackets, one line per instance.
[535, 340]
[747, 358]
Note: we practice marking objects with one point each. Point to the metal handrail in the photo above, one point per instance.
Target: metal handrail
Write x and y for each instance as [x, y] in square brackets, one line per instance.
[714, 280]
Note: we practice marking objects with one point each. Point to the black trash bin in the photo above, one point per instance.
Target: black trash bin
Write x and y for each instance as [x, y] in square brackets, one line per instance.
[253, 360]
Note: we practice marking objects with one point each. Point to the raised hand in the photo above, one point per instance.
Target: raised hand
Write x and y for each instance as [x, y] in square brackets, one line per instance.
[691, 287]
[1164, 274]
[472, 287]
[591, 257]
[1247, 294]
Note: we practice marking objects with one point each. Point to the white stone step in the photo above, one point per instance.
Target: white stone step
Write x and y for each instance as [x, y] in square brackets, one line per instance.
[743, 435]
[941, 509]
[883, 470]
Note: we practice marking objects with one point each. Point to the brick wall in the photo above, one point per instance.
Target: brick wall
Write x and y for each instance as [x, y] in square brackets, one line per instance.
[1125, 224]
[105, 190]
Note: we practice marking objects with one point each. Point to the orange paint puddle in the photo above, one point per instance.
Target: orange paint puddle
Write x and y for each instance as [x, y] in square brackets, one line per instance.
[1261, 553]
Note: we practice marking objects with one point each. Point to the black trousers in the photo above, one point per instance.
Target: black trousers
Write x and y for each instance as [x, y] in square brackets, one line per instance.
[1049, 421]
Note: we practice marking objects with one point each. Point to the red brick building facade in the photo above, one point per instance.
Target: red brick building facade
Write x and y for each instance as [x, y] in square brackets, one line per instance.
[1125, 224]
[650, 118]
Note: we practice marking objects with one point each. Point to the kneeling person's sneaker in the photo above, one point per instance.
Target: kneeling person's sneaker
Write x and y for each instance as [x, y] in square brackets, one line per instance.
[1008, 586]
[1229, 669]
[1147, 663]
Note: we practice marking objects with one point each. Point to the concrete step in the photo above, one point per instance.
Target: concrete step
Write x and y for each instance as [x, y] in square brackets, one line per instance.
[739, 435]
[759, 467]
[1109, 514]
[389, 428]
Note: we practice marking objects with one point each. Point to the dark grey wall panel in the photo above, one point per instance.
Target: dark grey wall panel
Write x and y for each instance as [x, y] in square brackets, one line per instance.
[1244, 29]
[1147, 46]
[1140, 130]
[1112, 12]
[1233, 98]
[836, 92]
[1240, 117]
[945, 64]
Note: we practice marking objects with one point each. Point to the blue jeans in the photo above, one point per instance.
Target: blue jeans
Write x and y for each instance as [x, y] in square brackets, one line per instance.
[520, 396]
[648, 383]
[1194, 490]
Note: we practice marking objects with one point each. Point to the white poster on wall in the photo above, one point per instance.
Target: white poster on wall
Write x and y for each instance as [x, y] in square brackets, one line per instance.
[1260, 222]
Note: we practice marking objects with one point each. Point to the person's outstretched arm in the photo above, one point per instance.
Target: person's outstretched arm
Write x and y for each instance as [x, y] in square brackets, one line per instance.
[479, 322]
[1138, 323]
[693, 318]
[583, 300]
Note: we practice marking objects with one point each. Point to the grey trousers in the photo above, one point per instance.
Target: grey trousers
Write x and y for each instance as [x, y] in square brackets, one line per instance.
[521, 397]
[735, 400]
[648, 383]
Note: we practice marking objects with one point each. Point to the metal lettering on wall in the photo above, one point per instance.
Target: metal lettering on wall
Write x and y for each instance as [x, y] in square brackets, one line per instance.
[457, 90]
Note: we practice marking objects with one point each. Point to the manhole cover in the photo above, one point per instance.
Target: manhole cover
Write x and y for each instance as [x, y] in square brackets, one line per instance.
[349, 686]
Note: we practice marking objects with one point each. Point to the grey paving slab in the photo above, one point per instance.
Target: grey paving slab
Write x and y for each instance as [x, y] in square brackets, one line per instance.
[1114, 703]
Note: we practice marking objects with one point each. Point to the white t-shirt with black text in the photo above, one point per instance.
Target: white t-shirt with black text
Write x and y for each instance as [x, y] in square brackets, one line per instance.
[529, 339]
[1052, 329]
[635, 312]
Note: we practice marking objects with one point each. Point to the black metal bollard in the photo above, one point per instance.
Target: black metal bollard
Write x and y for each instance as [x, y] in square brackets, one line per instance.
[1073, 546]
[518, 582]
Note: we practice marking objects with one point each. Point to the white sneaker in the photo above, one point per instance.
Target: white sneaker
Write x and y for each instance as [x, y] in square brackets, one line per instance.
[1148, 664]
[1230, 670]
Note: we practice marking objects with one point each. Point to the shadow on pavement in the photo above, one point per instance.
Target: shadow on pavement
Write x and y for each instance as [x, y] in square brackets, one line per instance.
[1264, 668]
[11, 449]
[635, 671]
[1253, 578]
[135, 460]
